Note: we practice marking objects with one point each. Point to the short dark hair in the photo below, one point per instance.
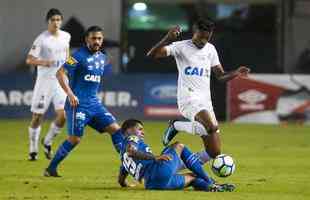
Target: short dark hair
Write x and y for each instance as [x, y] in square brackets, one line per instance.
[204, 25]
[129, 123]
[52, 12]
[93, 29]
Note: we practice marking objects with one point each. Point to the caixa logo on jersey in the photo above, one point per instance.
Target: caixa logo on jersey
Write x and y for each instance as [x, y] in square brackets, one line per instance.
[163, 94]
[196, 71]
[92, 78]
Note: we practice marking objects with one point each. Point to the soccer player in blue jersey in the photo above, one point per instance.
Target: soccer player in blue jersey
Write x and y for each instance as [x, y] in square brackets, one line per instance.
[161, 172]
[84, 70]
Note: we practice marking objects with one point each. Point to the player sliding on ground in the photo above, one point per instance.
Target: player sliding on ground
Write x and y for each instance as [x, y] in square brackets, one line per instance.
[48, 52]
[83, 107]
[161, 172]
[195, 59]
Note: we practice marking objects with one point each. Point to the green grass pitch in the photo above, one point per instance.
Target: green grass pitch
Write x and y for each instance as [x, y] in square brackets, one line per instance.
[272, 162]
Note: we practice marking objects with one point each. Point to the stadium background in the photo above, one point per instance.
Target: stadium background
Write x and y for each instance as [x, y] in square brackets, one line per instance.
[272, 37]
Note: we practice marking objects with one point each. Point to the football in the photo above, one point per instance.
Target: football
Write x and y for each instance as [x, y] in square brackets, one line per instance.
[223, 165]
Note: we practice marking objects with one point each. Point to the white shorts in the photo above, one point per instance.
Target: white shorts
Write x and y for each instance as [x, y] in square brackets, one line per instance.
[47, 91]
[191, 107]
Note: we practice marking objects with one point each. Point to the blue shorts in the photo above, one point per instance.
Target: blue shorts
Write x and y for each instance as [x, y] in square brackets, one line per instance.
[163, 175]
[96, 117]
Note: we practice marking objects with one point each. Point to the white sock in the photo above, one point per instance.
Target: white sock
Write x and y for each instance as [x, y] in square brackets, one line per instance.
[34, 135]
[51, 134]
[194, 127]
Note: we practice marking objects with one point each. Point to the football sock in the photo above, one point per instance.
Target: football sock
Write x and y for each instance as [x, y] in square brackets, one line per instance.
[51, 134]
[192, 162]
[194, 127]
[117, 140]
[62, 152]
[34, 135]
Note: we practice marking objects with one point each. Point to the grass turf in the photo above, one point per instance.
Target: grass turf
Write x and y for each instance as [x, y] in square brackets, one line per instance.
[272, 162]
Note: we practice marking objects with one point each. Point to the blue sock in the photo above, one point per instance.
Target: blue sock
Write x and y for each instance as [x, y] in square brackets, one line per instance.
[200, 184]
[117, 140]
[192, 163]
[62, 152]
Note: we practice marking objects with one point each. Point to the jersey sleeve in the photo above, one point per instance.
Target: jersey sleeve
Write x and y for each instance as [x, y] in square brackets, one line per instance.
[72, 63]
[107, 66]
[173, 49]
[133, 141]
[36, 47]
[215, 58]
[69, 38]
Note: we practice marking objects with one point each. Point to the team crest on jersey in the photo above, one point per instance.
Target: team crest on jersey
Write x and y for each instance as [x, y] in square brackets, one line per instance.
[97, 65]
[71, 61]
[90, 60]
[133, 138]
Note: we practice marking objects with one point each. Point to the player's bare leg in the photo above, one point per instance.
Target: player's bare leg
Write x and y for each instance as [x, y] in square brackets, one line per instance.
[116, 135]
[34, 135]
[211, 141]
[54, 130]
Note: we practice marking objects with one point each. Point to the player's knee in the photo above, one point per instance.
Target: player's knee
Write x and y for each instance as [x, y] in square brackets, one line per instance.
[212, 129]
[36, 120]
[74, 140]
[60, 122]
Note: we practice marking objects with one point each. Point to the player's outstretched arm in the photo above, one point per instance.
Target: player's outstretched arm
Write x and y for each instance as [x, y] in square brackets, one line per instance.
[63, 81]
[31, 60]
[159, 50]
[223, 76]
[134, 153]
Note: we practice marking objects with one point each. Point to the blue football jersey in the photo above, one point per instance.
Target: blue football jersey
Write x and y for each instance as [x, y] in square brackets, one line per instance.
[136, 168]
[85, 70]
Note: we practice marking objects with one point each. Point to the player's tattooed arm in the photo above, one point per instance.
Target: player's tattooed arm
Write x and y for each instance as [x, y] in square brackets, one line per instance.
[31, 60]
[223, 76]
[63, 81]
[159, 50]
[133, 152]
[139, 155]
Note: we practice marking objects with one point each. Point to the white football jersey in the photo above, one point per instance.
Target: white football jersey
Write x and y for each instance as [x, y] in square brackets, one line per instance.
[49, 47]
[194, 66]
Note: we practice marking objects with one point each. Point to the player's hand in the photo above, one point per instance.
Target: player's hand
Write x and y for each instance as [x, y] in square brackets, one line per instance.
[174, 33]
[74, 101]
[243, 71]
[48, 63]
[163, 158]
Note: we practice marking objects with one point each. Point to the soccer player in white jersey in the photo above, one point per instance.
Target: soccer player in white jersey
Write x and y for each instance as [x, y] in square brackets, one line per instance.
[195, 59]
[48, 52]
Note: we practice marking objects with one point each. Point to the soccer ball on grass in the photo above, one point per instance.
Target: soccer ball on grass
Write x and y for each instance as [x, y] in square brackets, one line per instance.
[223, 165]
